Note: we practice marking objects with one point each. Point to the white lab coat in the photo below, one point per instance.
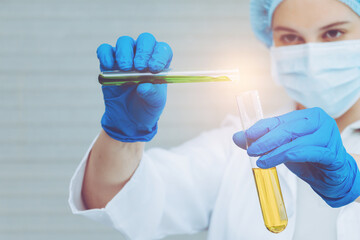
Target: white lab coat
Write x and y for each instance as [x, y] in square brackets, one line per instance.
[205, 183]
[348, 221]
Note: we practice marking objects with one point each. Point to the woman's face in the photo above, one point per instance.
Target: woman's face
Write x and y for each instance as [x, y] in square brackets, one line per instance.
[303, 21]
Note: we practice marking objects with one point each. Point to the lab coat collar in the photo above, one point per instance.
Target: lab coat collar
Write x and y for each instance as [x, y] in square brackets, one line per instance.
[351, 129]
[354, 126]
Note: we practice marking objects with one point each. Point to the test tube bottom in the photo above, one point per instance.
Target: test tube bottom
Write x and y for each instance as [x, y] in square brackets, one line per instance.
[271, 200]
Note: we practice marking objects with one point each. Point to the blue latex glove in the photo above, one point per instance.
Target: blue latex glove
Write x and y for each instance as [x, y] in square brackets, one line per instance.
[308, 142]
[132, 112]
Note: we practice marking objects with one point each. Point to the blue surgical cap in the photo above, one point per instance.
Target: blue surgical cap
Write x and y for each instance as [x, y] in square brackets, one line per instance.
[261, 13]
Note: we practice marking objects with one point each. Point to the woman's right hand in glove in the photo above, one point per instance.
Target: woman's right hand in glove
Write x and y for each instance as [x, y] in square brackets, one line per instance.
[132, 112]
[130, 118]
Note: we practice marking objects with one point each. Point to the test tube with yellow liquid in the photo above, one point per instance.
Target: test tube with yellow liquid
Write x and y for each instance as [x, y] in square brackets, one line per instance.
[266, 180]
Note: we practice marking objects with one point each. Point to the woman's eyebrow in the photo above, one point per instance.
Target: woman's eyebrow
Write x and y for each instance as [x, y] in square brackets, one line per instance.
[333, 25]
[281, 28]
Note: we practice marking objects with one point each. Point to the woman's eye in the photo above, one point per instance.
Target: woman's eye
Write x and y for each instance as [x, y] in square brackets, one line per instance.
[332, 34]
[291, 39]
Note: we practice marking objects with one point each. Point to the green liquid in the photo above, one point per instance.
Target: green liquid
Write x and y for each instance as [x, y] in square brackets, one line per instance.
[118, 81]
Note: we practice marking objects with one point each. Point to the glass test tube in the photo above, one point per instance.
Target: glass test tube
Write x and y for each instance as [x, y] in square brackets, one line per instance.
[118, 78]
[266, 180]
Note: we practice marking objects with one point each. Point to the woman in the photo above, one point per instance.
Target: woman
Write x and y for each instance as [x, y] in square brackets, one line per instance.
[323, 70]
[316, 58]
[202, 184]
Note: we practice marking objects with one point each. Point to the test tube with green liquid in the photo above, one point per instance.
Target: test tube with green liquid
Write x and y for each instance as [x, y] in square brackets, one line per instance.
[119, 78]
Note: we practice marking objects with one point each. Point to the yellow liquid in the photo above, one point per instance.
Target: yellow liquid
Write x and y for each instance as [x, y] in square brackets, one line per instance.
[271, 200]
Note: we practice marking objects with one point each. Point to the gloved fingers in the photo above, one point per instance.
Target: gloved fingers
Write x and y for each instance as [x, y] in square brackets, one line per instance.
[106, 56]
[161, 57]
[153, 95]
[145, 44]
[298, 153]
[282, 134]
[124, 53]
[264, 126]
[260, 128]
[276, 156]
[239, 139]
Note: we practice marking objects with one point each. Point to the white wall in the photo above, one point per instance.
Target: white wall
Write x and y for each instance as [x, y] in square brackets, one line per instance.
[51, 103]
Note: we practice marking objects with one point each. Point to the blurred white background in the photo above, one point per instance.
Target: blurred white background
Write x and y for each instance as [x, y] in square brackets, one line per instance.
[51, 103]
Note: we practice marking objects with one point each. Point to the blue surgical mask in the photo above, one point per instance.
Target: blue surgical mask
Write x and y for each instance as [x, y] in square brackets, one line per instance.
[325, 75]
